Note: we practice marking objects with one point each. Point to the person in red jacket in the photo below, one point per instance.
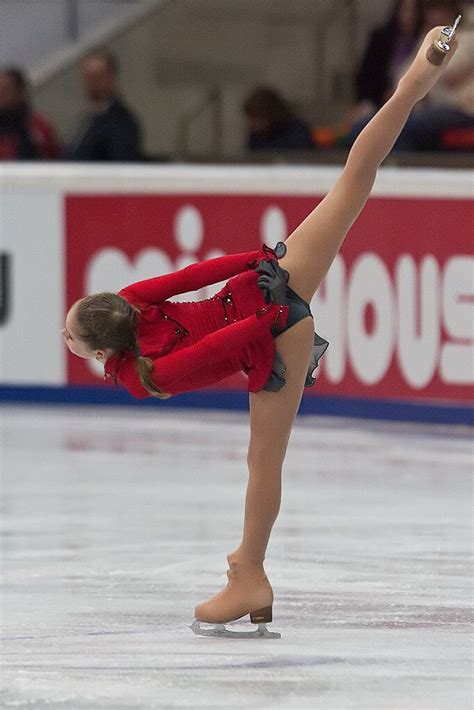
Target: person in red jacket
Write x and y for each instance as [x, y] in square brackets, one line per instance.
[260, 323]
[24, 133]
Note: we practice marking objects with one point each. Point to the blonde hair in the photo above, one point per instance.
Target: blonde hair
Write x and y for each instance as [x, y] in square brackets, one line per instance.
[108, 321]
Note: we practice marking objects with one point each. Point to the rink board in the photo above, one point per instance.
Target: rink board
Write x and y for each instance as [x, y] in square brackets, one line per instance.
[396, 306]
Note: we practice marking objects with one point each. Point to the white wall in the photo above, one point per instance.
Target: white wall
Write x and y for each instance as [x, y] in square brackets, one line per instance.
[31, 233]
[32, 30]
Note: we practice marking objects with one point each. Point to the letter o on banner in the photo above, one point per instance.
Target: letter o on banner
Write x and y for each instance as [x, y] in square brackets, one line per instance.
[370, 284]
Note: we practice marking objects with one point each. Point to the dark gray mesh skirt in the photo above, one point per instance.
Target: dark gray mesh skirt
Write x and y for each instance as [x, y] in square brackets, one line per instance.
[298, 309]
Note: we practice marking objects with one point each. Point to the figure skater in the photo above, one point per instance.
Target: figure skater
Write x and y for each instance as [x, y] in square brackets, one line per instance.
[260, 322]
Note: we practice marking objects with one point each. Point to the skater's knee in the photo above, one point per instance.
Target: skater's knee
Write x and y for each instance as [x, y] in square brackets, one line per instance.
[265, 459]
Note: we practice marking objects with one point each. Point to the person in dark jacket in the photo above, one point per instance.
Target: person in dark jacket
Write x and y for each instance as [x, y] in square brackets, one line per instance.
[389, 48]
[448, 111]
[384, 61]
[25, 134]
[110, 132]
[272, 125]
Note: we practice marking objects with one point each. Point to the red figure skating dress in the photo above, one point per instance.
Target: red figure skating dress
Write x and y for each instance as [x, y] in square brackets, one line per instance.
[196, 344]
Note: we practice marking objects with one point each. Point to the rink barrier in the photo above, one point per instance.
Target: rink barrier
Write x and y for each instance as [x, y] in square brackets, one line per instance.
[236, 400]
[397, 310]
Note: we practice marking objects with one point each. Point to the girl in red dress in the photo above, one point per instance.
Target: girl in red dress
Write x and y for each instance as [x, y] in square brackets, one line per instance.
[259, 323]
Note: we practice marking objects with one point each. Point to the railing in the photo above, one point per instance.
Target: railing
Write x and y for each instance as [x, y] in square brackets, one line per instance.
[203, 82]
[342, 16]
[39, 28]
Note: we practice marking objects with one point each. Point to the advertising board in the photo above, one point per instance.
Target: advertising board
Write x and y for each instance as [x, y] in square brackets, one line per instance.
[396, 306]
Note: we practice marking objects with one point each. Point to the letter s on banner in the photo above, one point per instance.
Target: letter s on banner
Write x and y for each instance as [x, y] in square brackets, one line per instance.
[370, 353]
[329, 308]
[457, 358]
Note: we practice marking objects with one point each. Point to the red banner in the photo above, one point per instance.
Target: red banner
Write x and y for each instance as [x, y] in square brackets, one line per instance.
[397, 305]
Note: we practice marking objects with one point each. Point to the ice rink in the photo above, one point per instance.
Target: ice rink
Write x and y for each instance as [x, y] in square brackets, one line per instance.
[115, 523]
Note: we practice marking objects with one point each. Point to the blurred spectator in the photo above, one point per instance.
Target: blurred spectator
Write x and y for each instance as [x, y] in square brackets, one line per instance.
[450, 104]
[449, 107]
[272, 125]
[385, 58]
[24, 134]
[110, 131]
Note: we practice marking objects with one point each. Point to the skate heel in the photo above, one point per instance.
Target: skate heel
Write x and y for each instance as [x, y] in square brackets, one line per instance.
[261, 616]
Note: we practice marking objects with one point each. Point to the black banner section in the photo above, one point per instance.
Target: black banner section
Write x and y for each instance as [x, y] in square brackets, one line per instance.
[5, 286]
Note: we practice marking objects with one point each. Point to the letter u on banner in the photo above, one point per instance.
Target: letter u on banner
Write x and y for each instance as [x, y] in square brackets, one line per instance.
[418, 319]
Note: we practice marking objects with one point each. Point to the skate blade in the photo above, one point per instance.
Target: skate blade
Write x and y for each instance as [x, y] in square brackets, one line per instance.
[220, 631]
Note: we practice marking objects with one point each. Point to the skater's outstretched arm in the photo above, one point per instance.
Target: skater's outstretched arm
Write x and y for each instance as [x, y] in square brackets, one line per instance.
[191, 278]
[314, 244]
[196, 366]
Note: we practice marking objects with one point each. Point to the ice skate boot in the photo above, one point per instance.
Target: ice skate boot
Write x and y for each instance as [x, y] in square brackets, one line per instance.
[248, 591]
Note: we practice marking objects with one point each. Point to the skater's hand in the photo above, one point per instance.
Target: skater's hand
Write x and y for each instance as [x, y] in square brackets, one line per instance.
[272, 281]
[422, 75]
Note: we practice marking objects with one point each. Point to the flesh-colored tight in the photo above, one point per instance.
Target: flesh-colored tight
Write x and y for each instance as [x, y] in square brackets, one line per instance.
[311, 249]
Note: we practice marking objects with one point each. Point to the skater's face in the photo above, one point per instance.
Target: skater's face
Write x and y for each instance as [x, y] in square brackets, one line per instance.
[70, 333]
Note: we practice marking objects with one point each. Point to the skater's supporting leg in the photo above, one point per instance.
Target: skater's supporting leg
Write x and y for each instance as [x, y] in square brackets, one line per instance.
[313, 245]
[271, 418]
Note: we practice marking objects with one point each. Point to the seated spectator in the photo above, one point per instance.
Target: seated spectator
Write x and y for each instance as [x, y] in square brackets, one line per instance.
[450, 104]
[110, 131]
[272, 125]
[383, 62]
[24, 133]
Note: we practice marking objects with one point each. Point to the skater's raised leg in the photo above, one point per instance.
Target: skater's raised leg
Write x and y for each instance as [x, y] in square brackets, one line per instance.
[312, 247]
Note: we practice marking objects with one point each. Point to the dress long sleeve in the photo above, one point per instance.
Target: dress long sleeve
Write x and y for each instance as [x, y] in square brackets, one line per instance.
[181, 370]
[204, 363]
[160, 288]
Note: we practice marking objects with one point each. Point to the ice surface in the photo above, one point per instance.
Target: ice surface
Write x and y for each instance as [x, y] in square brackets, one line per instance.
[115, 523]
